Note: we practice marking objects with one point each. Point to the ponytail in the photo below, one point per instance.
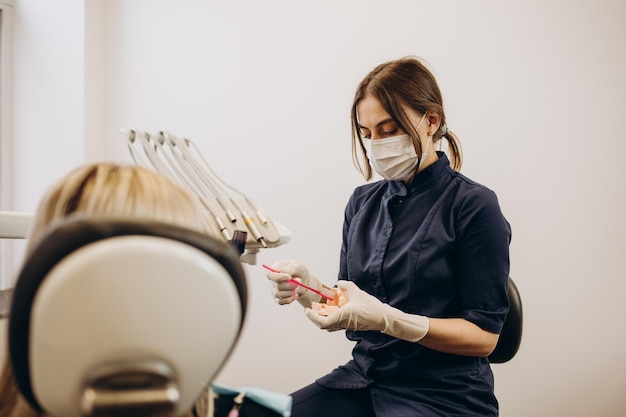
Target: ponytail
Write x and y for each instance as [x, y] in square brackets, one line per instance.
[454, 150]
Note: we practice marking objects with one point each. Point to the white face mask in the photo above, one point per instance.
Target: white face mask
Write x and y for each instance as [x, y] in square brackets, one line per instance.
[394, 158]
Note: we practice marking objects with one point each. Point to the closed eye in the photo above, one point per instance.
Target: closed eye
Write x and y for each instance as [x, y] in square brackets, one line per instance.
[384, 129]
[390, 132]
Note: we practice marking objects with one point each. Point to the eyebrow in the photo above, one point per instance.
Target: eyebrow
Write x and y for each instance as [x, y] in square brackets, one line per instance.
[382, 122]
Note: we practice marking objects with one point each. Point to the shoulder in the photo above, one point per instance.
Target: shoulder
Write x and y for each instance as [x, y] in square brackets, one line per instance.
[477, 206]
[470, 192]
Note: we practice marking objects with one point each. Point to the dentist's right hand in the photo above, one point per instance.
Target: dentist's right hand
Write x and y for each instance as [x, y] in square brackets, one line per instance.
[285, 292]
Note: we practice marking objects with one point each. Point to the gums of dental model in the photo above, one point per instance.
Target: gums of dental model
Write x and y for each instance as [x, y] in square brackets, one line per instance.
[330, 306]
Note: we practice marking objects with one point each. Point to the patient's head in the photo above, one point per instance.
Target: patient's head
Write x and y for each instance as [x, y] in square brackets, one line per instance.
[116, 190]
[107, 189]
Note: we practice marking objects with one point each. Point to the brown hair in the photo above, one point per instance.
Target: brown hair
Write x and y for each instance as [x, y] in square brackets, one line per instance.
[112, 190]
[403, 82]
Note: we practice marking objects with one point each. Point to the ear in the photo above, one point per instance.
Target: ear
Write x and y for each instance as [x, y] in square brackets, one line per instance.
[434, 121]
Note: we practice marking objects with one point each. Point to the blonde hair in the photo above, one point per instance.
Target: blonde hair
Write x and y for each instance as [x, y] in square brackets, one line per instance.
[106, 189]
[116, 190]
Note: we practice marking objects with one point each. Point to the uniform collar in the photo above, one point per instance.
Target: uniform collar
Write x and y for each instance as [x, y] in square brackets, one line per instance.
[424, 179]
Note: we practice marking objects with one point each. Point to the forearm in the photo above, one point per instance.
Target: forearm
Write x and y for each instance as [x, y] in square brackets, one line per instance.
[365, 312]
[460, 337]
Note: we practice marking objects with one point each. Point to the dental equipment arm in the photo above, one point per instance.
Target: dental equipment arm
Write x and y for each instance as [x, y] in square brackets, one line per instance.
[182, 161]
[365, 312]
[14, 225]
[286, 292]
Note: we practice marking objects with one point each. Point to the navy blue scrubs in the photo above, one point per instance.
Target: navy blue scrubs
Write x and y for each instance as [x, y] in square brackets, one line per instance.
[437, 247]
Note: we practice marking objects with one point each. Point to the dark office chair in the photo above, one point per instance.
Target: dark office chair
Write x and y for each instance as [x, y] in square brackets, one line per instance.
[511, 335]
[124, 318]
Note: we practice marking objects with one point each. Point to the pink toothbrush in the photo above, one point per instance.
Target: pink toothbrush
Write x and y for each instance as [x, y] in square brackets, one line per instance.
[294, 281]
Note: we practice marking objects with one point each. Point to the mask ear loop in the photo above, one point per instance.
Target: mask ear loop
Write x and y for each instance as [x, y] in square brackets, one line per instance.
[424, 154]
[425, 150]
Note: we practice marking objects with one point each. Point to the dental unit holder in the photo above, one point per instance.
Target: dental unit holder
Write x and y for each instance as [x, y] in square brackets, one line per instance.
[228, 211]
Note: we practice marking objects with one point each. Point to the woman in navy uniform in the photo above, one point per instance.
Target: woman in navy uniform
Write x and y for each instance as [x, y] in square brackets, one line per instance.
[424, 260]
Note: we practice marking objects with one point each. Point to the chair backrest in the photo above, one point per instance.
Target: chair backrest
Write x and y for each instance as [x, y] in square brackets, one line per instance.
[511, 335]
[110, 315]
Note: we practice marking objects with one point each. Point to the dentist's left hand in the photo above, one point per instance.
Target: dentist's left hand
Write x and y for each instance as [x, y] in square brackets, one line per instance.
[366, 312]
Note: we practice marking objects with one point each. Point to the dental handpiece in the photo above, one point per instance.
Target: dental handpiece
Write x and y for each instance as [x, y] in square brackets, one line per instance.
[252, 227]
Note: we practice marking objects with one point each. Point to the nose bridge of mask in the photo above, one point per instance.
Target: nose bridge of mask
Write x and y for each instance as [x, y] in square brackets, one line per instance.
[392, 147]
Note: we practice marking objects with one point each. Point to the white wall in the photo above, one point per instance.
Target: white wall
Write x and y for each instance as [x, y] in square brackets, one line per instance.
[48, 94]
[535, 90]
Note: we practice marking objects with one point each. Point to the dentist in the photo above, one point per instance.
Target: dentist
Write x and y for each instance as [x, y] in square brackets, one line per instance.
[424, 260]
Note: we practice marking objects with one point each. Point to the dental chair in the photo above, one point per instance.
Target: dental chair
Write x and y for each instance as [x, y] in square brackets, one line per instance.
[511, 334]
[124, 318]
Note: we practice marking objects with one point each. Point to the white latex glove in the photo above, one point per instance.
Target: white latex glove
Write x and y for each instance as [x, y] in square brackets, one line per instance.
[285, 292]
[366, 312]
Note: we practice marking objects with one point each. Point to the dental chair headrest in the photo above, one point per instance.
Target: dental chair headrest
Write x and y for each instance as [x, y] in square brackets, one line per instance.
[114, 317]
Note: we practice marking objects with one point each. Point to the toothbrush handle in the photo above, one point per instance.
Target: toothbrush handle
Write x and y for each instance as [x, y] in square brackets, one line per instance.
[295, 281]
